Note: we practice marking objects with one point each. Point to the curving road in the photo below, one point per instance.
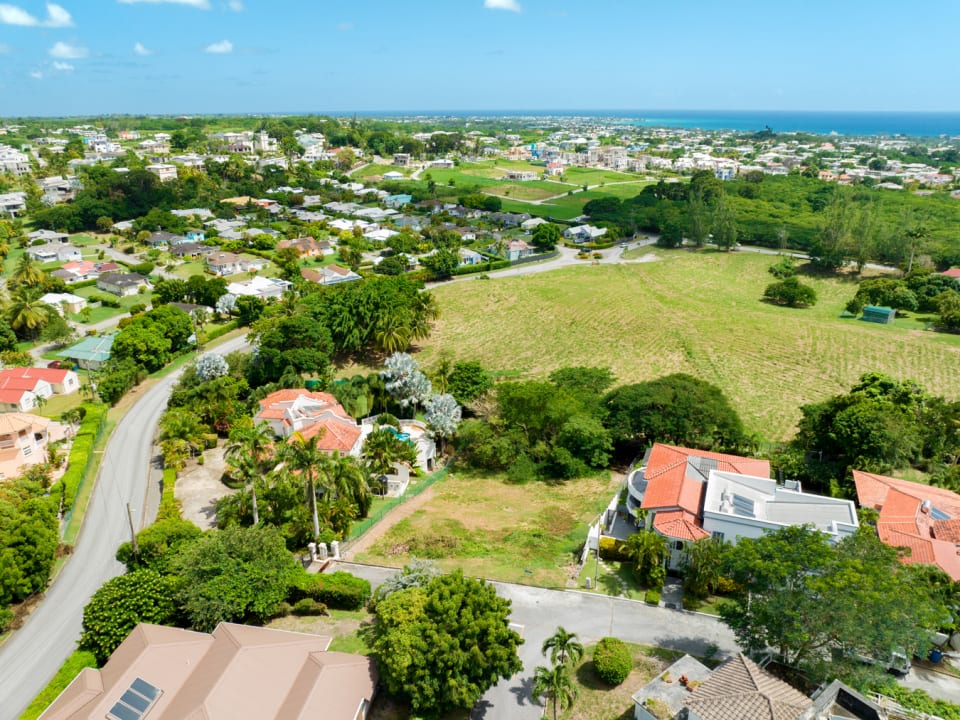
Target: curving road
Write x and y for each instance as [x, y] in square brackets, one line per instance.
[34, 653]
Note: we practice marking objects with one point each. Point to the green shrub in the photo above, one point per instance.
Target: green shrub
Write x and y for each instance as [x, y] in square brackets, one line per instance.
[169, 505]
[283, 609]
[613, 549]
[482, 267]
[339, 590]
[652, 597]
[80, 453]
[309, 606]
[612, 660]
[223, 330]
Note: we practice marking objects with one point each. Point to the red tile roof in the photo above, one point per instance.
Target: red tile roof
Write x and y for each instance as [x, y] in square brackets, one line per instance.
[673, 481]
[952, 272]
[337, 434]
[679, 525]
[906, 519]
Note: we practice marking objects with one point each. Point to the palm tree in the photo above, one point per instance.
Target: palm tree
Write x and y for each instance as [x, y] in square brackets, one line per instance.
[554, 683]
[249, 452]
[304, 456]
[349, 481]
[392, 335]
[28, 315]
[648, 550]
[562, 646]
[703, 562]
[27, 273]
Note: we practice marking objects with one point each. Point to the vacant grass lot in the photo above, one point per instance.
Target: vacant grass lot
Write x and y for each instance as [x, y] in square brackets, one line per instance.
[693, 312]
[516, 533]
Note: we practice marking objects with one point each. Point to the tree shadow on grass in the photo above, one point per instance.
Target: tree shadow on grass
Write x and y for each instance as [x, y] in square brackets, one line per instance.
[587, 677]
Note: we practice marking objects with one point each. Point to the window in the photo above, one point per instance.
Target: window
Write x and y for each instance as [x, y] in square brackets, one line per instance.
[678, 545]
[717, 535]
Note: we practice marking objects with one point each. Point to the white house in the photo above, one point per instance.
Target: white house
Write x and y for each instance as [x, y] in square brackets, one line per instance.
[55, 252]
[584, 233]
[65, 302]
[163, 171]
[261, 287]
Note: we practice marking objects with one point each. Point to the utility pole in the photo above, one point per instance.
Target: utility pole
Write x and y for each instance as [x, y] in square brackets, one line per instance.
[133, 534]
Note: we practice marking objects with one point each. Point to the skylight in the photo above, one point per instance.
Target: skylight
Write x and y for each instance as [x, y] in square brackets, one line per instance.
[135, 702]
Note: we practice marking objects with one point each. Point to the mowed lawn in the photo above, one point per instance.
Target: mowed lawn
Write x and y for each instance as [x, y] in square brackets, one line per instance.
[516, 533]
[692, 312]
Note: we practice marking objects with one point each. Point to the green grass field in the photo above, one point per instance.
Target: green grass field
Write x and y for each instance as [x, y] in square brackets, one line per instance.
[693, 312]
[489, 528]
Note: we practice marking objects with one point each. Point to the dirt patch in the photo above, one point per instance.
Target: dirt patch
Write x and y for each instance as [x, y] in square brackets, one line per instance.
[199, 487]
[401, 512]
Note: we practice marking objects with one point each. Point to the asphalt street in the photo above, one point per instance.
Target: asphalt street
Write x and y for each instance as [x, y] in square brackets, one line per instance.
[538, 612]
[35, 652]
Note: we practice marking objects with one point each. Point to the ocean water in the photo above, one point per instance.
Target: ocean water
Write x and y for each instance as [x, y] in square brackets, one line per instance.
[915, 124]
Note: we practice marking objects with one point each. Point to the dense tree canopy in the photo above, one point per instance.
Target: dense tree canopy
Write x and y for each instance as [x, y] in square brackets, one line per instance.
[443, 645]
[678, 409]
[819, 604]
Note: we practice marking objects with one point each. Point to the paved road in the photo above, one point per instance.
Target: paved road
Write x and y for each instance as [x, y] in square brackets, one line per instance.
[592, 617]
[34, 653]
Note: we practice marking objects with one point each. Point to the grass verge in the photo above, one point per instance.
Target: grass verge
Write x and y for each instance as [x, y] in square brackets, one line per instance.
[79, 660]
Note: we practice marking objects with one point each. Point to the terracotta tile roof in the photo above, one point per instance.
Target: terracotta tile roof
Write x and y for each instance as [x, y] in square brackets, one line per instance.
[338, 434]
[675, 475]
[907, 519]
[948, 530]
[291, 394]
[679, 525]
[14, 422]
[740, 690]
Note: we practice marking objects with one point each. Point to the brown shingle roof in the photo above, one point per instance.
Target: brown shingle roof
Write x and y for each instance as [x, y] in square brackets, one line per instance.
[740, 690]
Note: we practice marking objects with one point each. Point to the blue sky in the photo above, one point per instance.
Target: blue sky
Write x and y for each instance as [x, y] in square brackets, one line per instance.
[233, 56]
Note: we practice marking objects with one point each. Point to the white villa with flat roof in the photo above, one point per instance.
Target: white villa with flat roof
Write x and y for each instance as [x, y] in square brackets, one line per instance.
[738, 506]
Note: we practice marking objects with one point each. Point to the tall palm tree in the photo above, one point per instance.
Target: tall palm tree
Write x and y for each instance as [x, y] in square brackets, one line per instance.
[392, 334]
[27, 273]
[562, 647]
[348, 480]
[554, 683]
[304, 456]
[28, 315]
[249, 451]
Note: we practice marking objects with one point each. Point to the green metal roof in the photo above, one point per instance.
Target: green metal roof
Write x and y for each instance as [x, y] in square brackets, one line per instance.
[96, 347]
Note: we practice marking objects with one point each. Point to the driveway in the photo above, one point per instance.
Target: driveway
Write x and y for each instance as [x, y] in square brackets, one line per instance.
[539, 611]
[938, 685]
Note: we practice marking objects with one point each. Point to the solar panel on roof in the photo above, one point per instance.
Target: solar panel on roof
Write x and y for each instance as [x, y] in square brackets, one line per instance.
[938, 514]
[743, 506]
[135, 702]
[145, 688]
[122, 712]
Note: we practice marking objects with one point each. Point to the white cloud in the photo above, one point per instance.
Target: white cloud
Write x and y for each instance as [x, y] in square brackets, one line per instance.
[223, 47]
[65, 51]
[199, 4]
[235, 5]
[36, 75]
[511, 5]
[62, 66]
[139, 49]
[57, 17]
